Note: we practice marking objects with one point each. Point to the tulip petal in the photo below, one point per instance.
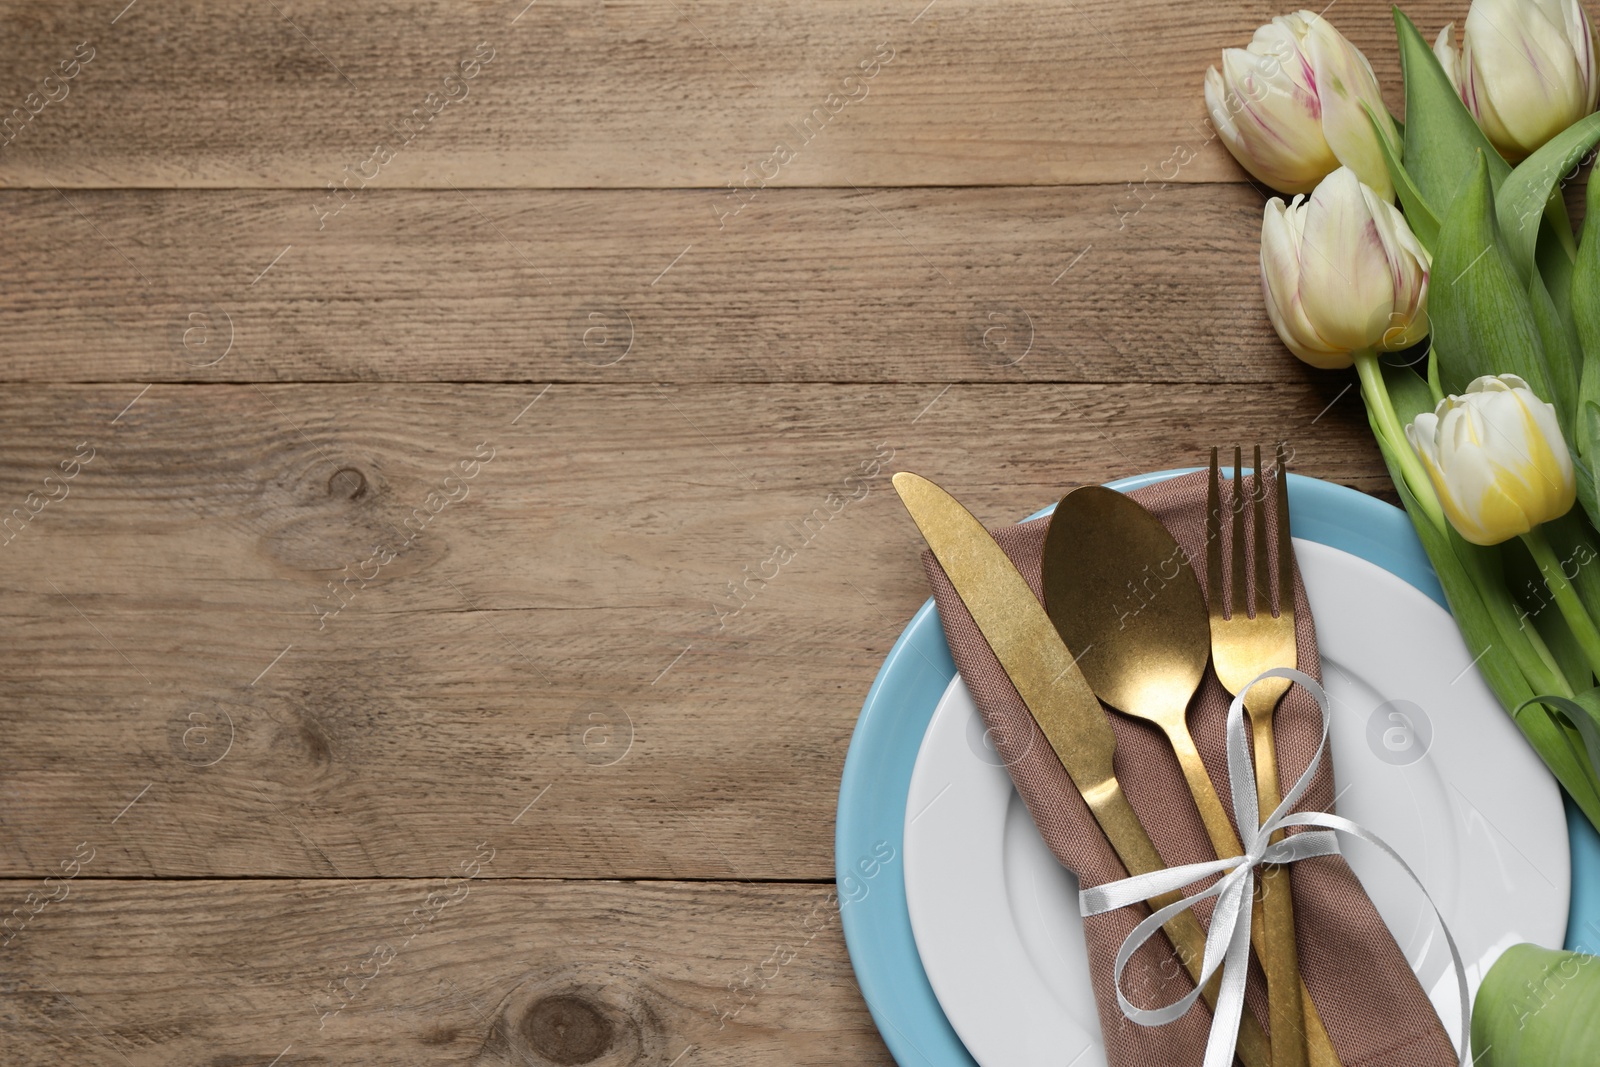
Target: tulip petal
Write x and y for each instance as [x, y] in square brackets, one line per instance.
[1345, 283]
[1280, 287]
[1221, 115]
[1524, 72]
[1575, 26]
[1344, 82]
[1409, 266]
[1500, 515]
[1580, 31]
[1449, 55]
[1421, 432]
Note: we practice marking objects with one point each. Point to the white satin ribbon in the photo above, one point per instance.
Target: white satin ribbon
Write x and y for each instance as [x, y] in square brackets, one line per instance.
[1228, 939]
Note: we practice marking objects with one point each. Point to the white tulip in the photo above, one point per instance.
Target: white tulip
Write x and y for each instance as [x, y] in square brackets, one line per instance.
[1497, 459]
[1342, 273]
[1289, 107]
[1525, 69]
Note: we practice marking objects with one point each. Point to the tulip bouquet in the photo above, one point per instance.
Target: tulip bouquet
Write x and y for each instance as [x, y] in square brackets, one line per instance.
[1438, 259]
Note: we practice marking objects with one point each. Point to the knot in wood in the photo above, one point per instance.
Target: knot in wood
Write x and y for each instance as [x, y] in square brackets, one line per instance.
[347, 483]
[567, 1029]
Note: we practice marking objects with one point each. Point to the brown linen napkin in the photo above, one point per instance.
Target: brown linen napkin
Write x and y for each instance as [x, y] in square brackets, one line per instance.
[1373, 1007]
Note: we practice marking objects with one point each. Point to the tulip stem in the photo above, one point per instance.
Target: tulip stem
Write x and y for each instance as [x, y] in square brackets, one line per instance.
[1376, 394]
[1566, 597]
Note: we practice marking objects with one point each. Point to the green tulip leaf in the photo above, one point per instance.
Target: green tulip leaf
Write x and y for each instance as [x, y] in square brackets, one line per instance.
[1441, 134]
[1585, 293]
[1576, 543]
[1528, 586]
[1585, 304]
[1554, 260]
[1479, 310]
[1582, 713]
[1565, 648]
[1583, 475]
[1524, 196]
[1562, 357]
[1586, 455]
[1586, 433]
[1408, 393]
[1555, 233]
[1538, 1006]
[1419, 213]
[1580, 717]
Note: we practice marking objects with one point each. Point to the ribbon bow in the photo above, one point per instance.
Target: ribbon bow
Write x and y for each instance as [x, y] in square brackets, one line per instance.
[1228, 939]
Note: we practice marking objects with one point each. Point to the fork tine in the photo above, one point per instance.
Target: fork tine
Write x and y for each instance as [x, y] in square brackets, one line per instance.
[1285, 545]
[1258, 512]
[1214, 539]
[1238, 598]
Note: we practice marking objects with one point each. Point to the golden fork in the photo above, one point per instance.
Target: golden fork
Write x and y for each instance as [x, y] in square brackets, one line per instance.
[1243, 645]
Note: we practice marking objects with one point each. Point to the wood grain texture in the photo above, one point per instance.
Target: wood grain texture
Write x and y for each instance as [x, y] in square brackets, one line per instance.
[609, 575]
[633, 93]
[493, 973]
[402, 529]
[902, 285]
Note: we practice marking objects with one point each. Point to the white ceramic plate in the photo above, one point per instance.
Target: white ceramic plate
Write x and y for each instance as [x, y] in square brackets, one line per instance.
[1423, 756]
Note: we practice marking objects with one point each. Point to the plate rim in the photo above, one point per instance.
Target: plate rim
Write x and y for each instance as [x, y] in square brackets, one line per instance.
[877, 772]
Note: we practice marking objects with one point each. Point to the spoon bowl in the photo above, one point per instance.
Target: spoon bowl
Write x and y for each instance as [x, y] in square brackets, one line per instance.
[1124, 598]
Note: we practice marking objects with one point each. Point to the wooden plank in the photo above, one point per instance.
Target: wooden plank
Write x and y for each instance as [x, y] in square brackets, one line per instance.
[599, 624]
[631, 93]
[937, 285]
[491, 973]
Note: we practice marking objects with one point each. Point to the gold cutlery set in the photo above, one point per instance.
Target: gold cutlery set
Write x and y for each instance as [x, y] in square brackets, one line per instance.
[1068, 655]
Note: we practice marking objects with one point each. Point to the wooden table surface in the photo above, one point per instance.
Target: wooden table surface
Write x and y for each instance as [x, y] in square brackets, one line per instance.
[404, 406]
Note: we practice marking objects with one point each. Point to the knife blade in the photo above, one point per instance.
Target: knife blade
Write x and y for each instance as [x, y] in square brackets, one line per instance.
[1047, 678]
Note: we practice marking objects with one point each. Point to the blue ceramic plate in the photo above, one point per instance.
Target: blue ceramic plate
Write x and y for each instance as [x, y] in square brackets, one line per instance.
[877, 775]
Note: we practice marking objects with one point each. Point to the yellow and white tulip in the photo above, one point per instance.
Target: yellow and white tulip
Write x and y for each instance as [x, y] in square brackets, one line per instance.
[1496, 458]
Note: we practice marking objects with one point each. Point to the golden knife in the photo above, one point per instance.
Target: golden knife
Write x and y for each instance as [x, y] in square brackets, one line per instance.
[1047, 678]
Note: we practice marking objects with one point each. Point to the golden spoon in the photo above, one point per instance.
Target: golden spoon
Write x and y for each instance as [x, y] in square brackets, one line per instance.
[1121, 594]
[1120, 591]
